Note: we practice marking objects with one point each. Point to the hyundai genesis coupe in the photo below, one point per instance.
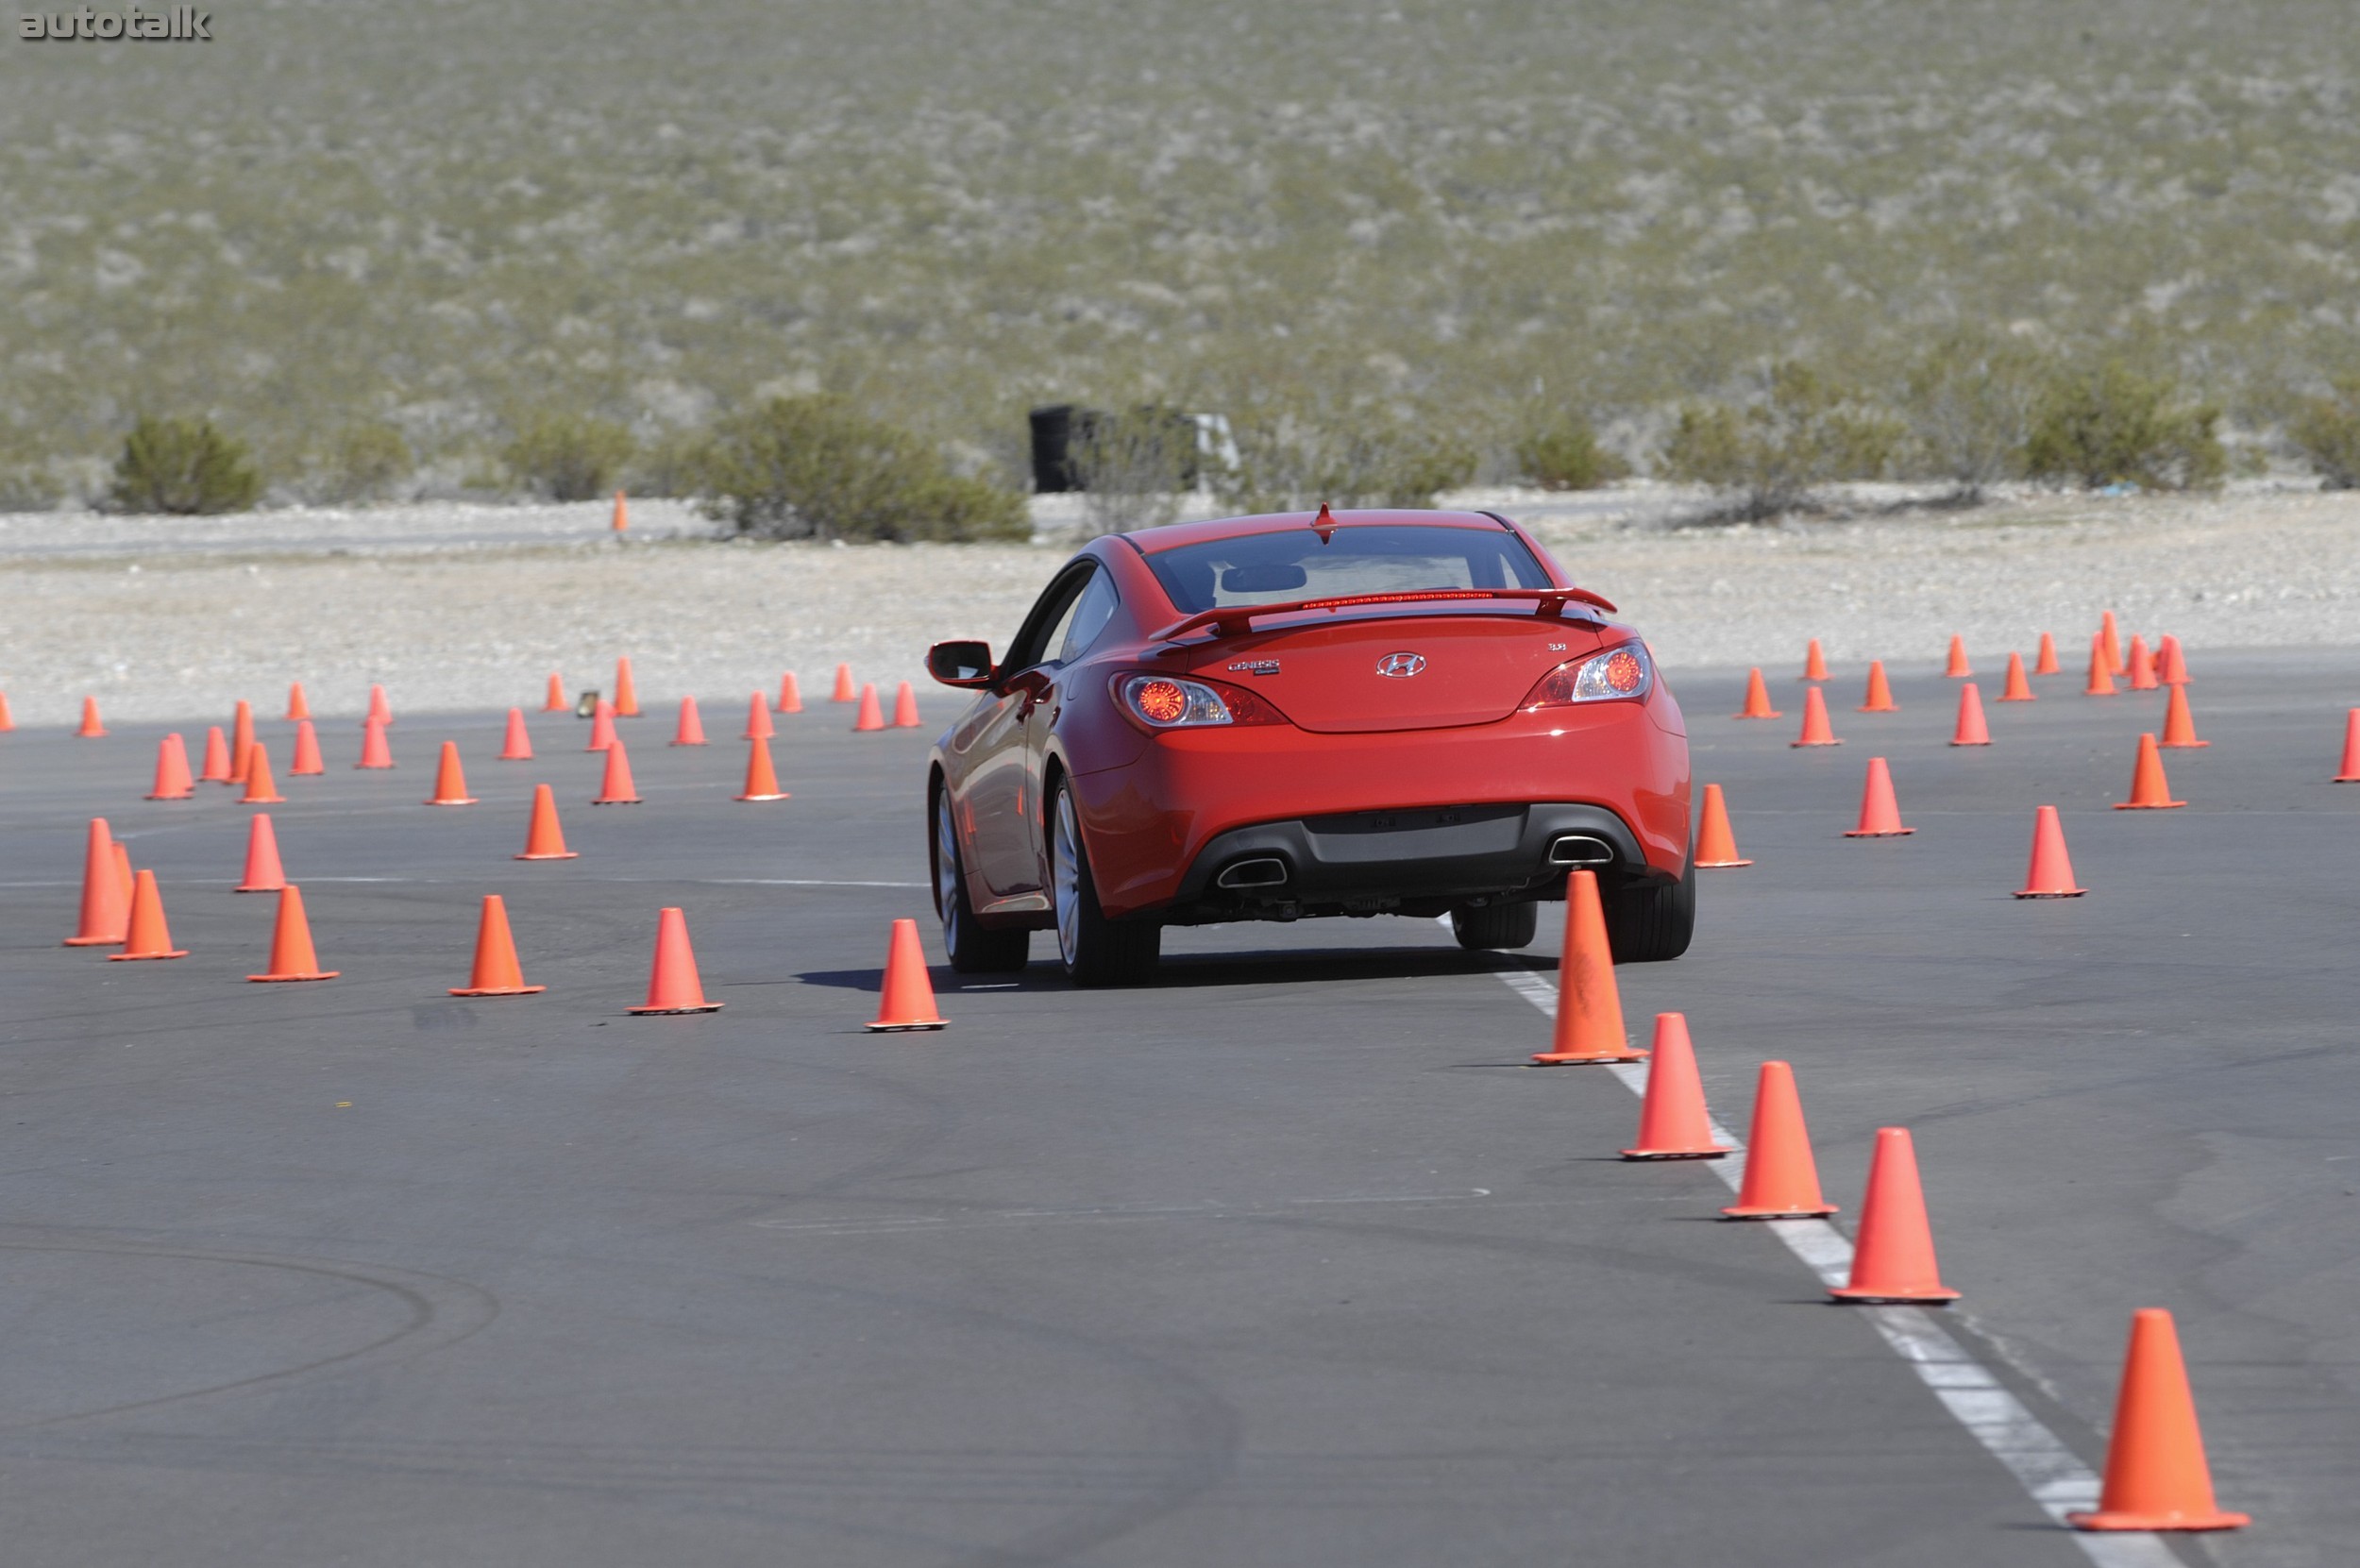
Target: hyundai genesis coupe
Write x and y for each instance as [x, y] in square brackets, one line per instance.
[1277, 717]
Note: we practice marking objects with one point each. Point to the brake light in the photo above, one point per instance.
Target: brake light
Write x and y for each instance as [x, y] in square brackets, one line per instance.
[1171, 702]
[1623, 674]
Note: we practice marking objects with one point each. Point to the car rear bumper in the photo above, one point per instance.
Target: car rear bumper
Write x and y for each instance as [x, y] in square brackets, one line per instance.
[1421, 861]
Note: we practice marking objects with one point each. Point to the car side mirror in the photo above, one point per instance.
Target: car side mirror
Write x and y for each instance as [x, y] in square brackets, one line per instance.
[964, 664]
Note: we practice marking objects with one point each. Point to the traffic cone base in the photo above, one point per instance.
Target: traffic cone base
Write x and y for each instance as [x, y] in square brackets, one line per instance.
[1716, 847]
[1588, 1026]
[1756, 698]
[1673, 1121]
[1816, 731]
[496, 968]
[674, 985]
[291, 954]
[1879, 697]
[1781, 1177]
[1893, 1260]
[905, 1001]
[2157, 1478]
[147, 936]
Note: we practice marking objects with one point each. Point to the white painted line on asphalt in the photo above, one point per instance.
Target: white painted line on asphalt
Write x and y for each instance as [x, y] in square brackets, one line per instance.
[2036, 1457]
[873, 1225]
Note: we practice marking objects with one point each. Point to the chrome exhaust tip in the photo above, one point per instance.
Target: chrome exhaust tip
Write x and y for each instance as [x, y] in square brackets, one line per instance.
[1261, 871]
[1579, 848]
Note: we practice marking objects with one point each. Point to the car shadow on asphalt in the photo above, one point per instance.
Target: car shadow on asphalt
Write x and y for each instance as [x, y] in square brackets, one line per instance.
[1224, 968]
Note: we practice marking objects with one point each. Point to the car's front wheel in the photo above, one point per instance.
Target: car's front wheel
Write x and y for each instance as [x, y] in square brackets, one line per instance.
[975, 948]
[1496, 927]
[1096, 951]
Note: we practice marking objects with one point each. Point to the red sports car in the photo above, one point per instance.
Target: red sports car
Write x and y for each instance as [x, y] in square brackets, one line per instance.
[1266, 719]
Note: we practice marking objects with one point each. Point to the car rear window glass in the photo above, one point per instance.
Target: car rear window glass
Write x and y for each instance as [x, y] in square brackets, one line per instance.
[1276, 568]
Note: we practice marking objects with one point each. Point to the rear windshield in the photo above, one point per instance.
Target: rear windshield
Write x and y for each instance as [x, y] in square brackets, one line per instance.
[1273, 568]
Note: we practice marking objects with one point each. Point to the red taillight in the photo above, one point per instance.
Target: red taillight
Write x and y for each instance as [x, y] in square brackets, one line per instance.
[1619, 674]
[1158, 703]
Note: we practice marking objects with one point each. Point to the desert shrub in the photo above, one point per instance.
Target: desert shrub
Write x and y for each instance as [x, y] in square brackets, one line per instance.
[1560, 451]
[366, 461]
[28, 487]
[2327, 430]
[568, 457]
[1297, 457]
[815, 467]
[1803, 431]
[2112, 426]
[1971, 402]
[1133, 467]
[184, 466]
[674, 464]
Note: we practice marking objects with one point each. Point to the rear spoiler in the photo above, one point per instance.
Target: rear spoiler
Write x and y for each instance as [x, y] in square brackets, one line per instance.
[1233, 619]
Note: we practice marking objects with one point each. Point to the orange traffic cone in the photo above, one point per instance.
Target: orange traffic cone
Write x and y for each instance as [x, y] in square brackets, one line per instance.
[450, 780]
[1971, 730]
[1814, 663]
[691, 728]
[1588, 1004]
[92, 729]
[1880, 814]
[261, 789]
[2142, 665]
[2046, 663]
[2156, 1475]
[2171, 665]
[621, 521]
[263, 873]
[517, 745]
[240, 740]
[906, 1000]
[843, 692]
[1758, 698]
[905, 707]
[2101, 683]
[291, 954]
[374, 750]
[673, 986]
[553, 702]
[1815, 729]
[1958, 668]
[298, 706]
[1715, 845]
[2110, 638]
[871, 717]
[616, 788]
[1880, 698]
[2179, 726]
[1672, 1121]
[2149, 789]
[1894, 1258]
[790, 694]
[1781, 1178]
[148, 938]
[626, 691]
[2017, 690]
[122, 857]
[217, 768]
[379, 709]
[758, 725]
[7, 720]
[2051, 875]
[601, 726]
[545, 840]
[762, 781]
[2349, 771]
[172, 771]
[308, 763]
[105, 911]
[497, 972]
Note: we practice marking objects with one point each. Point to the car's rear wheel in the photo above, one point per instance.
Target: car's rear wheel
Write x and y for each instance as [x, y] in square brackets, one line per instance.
[1496, 927]
[975, 948]
[1648, 922]
[1096, 951]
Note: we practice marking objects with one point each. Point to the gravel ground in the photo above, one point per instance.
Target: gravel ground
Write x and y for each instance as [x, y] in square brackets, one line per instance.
[455, 606]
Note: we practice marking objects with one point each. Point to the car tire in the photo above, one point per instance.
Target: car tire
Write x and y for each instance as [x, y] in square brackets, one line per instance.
[1095, 949]
[974, 948]
[1650, 922]
[1496, 927]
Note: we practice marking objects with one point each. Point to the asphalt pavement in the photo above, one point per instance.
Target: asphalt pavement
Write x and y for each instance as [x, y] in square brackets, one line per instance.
[1285, 1260]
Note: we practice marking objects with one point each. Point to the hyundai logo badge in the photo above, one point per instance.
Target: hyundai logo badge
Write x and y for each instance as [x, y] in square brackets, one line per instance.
[1402, 664]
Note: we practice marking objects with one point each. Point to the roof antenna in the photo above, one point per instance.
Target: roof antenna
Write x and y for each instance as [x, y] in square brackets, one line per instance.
[1324, 524]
